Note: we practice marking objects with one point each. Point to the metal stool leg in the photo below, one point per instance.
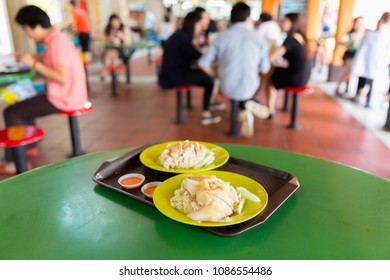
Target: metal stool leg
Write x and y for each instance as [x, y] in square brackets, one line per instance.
[189, 103]
[127, 61]
[233, 132]
[19, 155]
[150, 61]
[114, 83]
[86, 77]
[75, 136]
[285, 102]
[128, 71]
[179, 108]
[294, 112]
[387, 124]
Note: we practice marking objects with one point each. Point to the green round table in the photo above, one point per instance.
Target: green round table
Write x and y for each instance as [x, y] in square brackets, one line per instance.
[129, 50]
[58, 212]
[10, 78]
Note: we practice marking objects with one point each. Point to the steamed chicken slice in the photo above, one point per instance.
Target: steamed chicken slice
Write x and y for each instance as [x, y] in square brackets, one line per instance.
[209, 213]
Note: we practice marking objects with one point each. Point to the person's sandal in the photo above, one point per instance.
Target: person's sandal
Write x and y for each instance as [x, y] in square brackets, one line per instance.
[217, 106]
[247, 124]
[209, 120]
[260, 111]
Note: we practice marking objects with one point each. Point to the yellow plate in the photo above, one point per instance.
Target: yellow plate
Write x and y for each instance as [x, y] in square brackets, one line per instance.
[163, 193]
[149, 157]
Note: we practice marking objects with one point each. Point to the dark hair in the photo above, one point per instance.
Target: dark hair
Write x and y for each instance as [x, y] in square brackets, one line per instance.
[72, 2]
[240, 12]
[296, 24]
[296, 27]
[32, 16]
[167, 18]
[108, 27]
[189, 23]
[199, 10]
[385, 17]
[353, 29]
[264, 17]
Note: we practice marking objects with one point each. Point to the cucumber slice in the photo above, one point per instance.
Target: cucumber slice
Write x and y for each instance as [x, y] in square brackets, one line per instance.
[241, 205]
[247, 194]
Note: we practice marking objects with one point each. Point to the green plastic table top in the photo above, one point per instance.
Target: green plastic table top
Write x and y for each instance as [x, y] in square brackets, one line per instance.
[10, 78]
[58, 212]
[134, 45]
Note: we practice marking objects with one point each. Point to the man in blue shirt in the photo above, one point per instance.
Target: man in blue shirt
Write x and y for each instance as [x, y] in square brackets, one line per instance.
[241, 56]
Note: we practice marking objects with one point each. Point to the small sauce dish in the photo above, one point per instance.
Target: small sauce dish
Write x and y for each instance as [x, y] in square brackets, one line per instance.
[148, 189]
[131, 181]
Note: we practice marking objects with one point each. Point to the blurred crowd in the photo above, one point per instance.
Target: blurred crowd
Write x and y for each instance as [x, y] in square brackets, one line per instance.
[247, 62]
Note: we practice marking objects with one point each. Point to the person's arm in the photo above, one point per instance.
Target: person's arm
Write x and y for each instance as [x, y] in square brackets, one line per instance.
[264, 63]
[277, 53]
[59, 74]
[345, 40]
[125, 37]
[188, 48]
[206, 60]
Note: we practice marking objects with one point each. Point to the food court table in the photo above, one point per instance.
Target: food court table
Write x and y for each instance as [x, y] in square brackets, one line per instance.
[129, 50]
[58, 212]
[13, 77]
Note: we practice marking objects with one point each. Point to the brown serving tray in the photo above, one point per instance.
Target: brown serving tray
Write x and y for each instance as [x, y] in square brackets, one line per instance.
[280, 185]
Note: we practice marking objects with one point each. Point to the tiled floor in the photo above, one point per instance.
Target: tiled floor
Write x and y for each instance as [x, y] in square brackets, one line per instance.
[143, 113]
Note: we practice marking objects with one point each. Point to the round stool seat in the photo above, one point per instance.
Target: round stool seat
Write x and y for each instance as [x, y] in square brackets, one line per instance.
[74, 127]
[158, 60]
[20, 135]
[184, 87]
[88, 63]
[119, 67]
[87, 108]
[299, 90]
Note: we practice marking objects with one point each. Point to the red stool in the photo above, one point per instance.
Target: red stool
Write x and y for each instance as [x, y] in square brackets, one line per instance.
[179, 101]
[114, 69]
[295, 91]
[74, 127]
[16, 138]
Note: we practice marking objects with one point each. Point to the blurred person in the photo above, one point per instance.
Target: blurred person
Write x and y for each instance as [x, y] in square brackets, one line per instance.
[269, 31]
[80, 23]
[61, 67]
[373, 57]
[179, 22]
[241, 56]
[291, 59]
[202, 39]
[351, 40]
[118, 36]
[150, 25]
[211, 29]
[178, 68]
[387, 97]
[166, 29]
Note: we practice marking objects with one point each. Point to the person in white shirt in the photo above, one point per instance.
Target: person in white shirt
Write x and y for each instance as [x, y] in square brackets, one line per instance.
[373, 57]
[241, 55]
[166, 29]
[150, 25]
[269, 32]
